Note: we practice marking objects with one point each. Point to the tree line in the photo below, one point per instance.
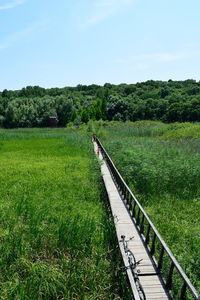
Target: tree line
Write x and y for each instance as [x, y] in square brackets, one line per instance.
[171, 101]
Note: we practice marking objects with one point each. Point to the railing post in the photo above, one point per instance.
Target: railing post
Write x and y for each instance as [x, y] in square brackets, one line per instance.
[130, 203]
[124, 191]
[153, 244]
[142, 224]
[117, 181]
[128, 199]
[138, 218]
[169, 279]
[134, 209]
[127, 196]
[120, 186]
[183, 290]
[147, 235]
[160, 262]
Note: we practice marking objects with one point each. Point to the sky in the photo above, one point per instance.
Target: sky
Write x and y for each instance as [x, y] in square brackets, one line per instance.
[66, 43]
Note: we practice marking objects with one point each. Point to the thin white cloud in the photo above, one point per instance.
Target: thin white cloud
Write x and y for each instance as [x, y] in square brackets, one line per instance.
[143, 61]
[103, 9]
[108, 3]
[122, 61]
[168, 57]
[160, 57]
[97, 18]
[103, 3]
[11, 4]
[142, 66]
[16, 37]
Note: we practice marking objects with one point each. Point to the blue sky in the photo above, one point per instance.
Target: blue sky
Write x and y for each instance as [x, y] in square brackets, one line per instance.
[65, 43]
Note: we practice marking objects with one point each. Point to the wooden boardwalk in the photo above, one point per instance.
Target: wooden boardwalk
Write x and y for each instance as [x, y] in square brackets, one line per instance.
[148, 276]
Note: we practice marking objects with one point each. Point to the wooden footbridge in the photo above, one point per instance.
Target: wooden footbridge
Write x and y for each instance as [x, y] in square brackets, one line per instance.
[150, 265]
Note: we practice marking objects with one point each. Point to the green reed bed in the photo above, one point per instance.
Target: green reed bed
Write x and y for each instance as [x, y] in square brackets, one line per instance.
[164, 173]
[56, 240]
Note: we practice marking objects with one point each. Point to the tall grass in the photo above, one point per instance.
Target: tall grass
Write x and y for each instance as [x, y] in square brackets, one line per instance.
[56, 241]
[164, 173]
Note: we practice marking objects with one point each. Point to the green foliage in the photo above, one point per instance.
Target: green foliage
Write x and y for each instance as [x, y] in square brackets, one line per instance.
[172, 101]
[56, 240]
[91, 127]
[1, 121]
[160, 163]
[185, 131]
[96, 127]
[35, 112]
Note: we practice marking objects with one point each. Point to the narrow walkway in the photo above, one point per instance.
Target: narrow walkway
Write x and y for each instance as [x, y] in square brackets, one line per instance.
[150, 281]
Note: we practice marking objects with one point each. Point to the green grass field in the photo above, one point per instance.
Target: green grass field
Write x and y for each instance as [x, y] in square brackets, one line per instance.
[56, 240]
[161, 164]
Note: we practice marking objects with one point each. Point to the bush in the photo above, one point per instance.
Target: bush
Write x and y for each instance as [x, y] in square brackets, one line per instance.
[1, 121]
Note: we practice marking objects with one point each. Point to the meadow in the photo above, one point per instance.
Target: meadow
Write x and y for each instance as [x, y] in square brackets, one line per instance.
[56, 238]
[161, 164]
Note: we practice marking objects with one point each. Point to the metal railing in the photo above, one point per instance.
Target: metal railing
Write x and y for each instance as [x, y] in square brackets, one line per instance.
[167, 265]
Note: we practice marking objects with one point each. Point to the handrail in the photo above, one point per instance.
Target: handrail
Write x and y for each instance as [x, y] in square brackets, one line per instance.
[128, 196]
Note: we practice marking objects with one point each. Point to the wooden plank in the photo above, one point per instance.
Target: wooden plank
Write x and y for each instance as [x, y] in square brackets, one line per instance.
[153, 289]
[146, 270]
[157, 297]
[150, 279]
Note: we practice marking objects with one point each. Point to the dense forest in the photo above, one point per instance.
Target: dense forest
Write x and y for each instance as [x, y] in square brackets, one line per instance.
[172, 101]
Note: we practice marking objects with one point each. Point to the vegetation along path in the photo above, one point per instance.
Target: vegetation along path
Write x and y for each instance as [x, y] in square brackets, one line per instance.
[139, 241]
[56, 240]
[160, 163]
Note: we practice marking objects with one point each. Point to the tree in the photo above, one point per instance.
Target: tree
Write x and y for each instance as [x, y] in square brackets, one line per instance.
[64, 108]
[174, 112]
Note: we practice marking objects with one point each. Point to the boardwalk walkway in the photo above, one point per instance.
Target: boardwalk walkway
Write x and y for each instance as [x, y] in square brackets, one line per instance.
[150, 280]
